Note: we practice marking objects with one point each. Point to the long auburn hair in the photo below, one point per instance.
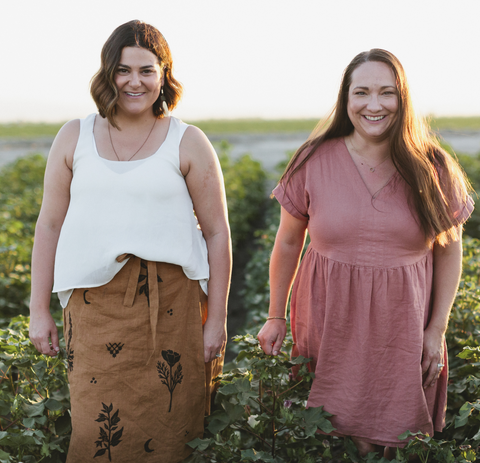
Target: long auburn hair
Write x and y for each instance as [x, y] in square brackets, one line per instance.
[437, 182]
[132, 34]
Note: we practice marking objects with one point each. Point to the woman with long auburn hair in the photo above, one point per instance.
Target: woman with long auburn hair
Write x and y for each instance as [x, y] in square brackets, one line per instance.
[132, 234]
[384, 205]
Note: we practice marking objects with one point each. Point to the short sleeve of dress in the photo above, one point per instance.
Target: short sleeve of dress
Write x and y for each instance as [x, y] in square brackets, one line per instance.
[461, 204]
[462, 210]
[292, 194]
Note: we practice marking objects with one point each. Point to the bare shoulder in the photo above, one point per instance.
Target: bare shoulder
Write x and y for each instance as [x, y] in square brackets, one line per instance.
[65, 142]
[195, 139]
[195, 150]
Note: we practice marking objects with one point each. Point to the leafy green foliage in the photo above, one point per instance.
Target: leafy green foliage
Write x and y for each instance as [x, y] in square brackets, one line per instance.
[21, 189]
[26, 130]
[261, 414]
[455, 123]
[228, 126]
[245, 188]
[471, 165]
[34, 400]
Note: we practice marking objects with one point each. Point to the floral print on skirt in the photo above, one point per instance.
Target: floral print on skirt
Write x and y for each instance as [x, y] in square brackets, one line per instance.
[139, 385]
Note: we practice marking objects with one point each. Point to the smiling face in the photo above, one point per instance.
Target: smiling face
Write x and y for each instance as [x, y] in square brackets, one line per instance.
[139, 79]
[373, 100]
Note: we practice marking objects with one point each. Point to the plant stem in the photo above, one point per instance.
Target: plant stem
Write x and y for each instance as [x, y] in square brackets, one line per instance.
[253, 433]
[12, 423]
[259, 402]
[289, 389]
[274, 435]
[34, 387]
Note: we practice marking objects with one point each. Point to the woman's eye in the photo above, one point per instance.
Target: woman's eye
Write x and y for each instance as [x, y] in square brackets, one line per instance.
[122, 71]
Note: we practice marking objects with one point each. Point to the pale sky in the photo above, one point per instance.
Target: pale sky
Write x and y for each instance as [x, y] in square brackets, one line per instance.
[241, 58]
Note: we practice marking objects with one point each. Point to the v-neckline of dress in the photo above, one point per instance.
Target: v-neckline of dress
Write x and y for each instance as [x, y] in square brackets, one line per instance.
[359, 176]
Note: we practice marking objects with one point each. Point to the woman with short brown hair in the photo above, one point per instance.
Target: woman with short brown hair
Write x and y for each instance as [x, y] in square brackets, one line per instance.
[133, 234]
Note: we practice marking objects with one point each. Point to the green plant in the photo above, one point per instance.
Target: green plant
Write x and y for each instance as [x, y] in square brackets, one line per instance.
[261, 414]
[34, 400]
[245, 189]
[21, 188]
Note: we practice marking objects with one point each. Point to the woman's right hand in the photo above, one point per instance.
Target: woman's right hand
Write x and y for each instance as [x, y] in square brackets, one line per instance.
[44, 334]
[271, 336]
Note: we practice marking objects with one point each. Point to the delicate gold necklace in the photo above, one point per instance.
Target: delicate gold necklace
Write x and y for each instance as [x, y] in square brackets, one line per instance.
[131, 157]
[372, 169]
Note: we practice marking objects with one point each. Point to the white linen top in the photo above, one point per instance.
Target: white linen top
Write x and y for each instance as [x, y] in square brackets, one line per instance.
[137, 207]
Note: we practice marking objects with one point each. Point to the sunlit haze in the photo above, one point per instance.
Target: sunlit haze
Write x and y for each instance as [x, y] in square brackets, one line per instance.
[248, 58]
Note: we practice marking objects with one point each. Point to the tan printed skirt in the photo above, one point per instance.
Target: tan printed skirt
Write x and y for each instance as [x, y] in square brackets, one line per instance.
[138, 382]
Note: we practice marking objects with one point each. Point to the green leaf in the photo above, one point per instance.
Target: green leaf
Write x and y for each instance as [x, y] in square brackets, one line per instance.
[41, 420]
[240, 385]
[233, 411]
[33, 409]
[470, 352]
[218, 423]
[5, 457]
[63, 424]
[464, 413]
[408, 434]
[4, 408]
[61, 394]
[200, 444]
[253, 455]
[29, 422]
[299, 360]
[316, 417]
[53, 405]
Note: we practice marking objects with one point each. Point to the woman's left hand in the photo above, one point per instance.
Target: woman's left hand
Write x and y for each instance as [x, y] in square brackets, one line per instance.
[214, 339]
[432, 356]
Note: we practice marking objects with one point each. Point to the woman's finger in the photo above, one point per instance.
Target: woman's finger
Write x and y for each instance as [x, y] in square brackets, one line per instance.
[433, 374]
[277, 345]
[55, 345]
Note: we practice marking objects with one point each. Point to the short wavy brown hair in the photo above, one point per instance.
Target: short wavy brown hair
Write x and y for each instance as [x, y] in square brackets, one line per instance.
[132, 34]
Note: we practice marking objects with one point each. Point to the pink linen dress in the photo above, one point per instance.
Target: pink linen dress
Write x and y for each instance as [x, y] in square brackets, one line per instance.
[362, 299]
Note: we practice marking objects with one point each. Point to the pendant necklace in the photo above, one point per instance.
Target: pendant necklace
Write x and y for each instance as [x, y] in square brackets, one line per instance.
[372, 169]
[131, 157]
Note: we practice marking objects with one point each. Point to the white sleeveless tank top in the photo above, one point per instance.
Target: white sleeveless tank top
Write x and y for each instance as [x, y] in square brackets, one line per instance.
[138, 207]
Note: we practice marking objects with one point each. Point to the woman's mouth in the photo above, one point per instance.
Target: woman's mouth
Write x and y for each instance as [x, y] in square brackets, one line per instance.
[134, 94]
[374, 118]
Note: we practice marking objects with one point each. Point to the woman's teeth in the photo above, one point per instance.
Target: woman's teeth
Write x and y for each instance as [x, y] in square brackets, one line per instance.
[376, 118]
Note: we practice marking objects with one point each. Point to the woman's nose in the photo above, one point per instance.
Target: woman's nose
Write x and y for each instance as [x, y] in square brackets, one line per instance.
[134, 80]
[374, 103]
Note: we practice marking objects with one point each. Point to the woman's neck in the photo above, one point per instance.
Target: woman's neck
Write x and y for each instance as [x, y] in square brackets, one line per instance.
[134, 121]
[369, 150]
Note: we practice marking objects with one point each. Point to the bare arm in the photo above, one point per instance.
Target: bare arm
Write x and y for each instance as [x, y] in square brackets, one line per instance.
[283, 268]
[200, 166]
[447, 269]
[56, 198]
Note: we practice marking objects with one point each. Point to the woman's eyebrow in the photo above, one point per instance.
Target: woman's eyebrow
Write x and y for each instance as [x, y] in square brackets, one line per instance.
[367, 88]
[141, 67]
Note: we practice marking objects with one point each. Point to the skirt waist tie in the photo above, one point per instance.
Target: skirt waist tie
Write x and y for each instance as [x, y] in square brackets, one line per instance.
[149, 288]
